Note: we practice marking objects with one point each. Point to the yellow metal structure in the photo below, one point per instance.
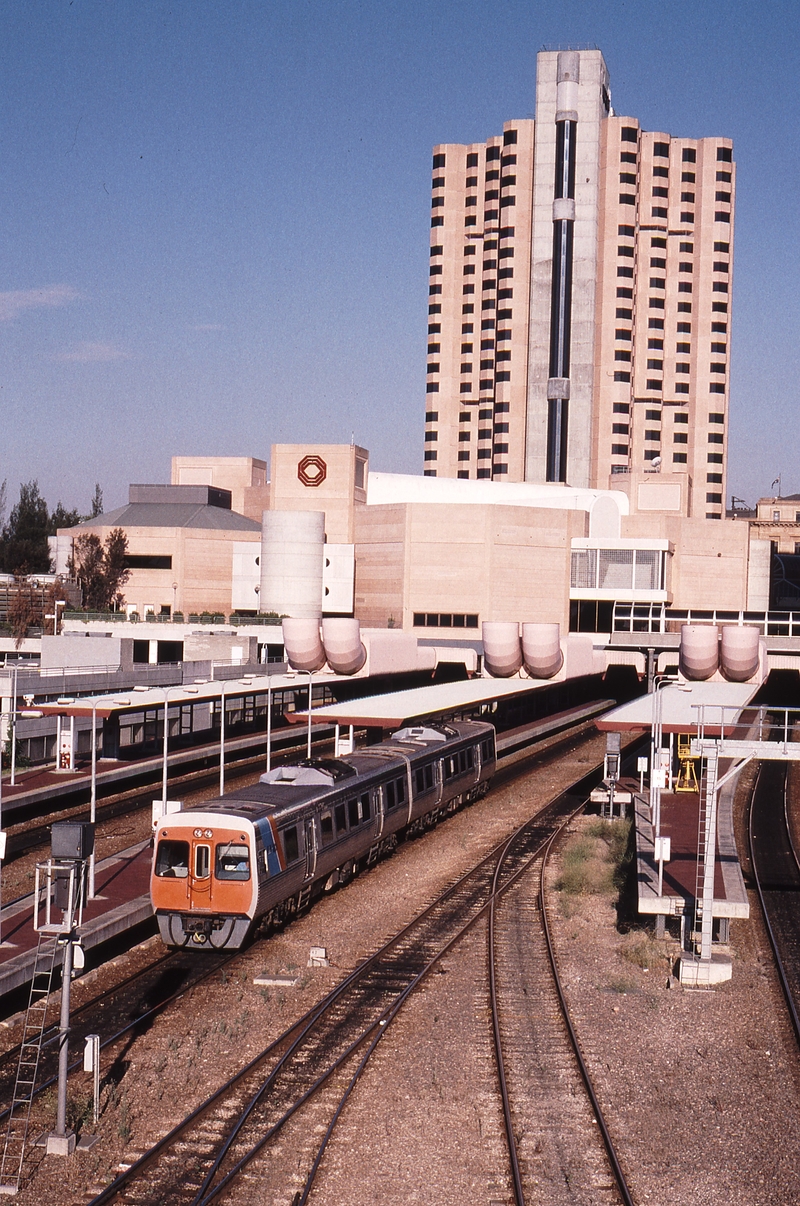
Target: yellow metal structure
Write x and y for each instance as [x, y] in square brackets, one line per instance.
[687, 775]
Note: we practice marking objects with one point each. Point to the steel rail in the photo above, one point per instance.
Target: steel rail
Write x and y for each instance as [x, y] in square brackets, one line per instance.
[294, 1036]
[787, 992]
[381, 1026]
[153, 1011]
[584, 1071]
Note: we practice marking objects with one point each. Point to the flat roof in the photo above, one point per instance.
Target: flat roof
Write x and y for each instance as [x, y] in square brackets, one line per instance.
[390, 710]
[136, 699]
[679, 704]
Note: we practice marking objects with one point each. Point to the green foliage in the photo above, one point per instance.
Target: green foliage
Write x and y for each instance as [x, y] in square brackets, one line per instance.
[23, 544]
[97, 502]
[101, 569]
[594, 862]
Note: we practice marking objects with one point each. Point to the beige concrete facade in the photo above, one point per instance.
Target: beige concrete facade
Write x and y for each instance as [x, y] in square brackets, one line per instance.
[666, 254]
[641, 379]
[320, 477]
[244, 476]
[478, 306]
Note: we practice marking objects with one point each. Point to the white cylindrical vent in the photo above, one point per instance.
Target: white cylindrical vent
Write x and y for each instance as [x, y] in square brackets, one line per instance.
[292, 551]
[502, 655]
[739, 652]
[302, 643]
[343, 648]
[699, 652]
[541, 649]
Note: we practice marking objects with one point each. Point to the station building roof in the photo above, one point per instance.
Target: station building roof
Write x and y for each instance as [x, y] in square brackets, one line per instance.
[679, 705]
[171, 515]
[419, 703]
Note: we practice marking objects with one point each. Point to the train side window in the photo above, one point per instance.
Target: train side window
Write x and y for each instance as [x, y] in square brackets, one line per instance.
[202, 862]
[326, 828]
[429, 776]
[401, 790]
[233, 861]
[172, 860]
[291, 846]
[419, 780]
[468, 756]
[390, 797]
[352, 813]
[341, 818]
[366, 811]
[486, 750]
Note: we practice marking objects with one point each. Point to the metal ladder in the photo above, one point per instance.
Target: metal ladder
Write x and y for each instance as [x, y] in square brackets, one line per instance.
[706, 842]
[16, 1136]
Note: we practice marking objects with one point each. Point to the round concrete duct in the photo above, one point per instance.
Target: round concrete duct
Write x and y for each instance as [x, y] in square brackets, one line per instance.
[699, 652]
[739, 652]
[541, 649]
[502, 655]
[292, 551]
[343, 649]
[302, 643]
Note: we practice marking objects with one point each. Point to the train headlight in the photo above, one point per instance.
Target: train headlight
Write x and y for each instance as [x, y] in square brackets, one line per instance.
[198, 833]
[208, 833]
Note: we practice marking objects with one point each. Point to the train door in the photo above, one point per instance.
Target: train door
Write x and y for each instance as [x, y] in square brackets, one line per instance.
[200, 875]
[311, 850]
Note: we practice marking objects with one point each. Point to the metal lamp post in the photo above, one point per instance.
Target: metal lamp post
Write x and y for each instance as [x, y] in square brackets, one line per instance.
[269, 724]
[310, 681]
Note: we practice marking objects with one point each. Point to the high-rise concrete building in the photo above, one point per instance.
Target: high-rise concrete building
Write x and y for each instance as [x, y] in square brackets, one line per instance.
[579, 309]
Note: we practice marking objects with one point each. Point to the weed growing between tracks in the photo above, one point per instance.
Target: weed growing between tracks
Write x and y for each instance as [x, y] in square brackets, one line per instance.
[595, 860]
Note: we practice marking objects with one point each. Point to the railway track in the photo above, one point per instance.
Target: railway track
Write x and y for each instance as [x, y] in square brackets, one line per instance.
[140, 997]
[116, 1016]
[266, 1121]
[555, 1130]
[776, 871]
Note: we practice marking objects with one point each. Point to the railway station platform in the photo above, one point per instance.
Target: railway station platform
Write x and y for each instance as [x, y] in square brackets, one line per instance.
[679, 823]
[677, 712]
[122, 902]
[45, 786]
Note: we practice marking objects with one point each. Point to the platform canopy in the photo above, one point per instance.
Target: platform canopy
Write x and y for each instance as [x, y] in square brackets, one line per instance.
[420, 703]
[137, 699]
[679, 704]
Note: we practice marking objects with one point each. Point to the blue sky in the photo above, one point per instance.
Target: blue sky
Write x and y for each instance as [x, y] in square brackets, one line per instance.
[215, 216]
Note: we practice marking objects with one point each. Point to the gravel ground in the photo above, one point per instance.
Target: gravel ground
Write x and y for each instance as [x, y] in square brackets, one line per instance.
[701, 1089]
[212, 1031]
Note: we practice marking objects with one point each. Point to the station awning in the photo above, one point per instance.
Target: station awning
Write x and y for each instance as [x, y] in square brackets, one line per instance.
[679, 704]
[420, 703]
[137, 699]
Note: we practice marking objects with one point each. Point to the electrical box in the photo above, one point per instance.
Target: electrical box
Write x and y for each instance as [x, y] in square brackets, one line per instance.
[72, 839]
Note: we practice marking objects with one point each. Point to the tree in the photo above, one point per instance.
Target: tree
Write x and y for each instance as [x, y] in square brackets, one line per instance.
[23, 545]
[97, 502]
[25, 608]
[101, 569]
[62, 518]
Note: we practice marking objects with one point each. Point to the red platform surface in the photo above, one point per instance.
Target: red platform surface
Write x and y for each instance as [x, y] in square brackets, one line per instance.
[680, 813]
[122, 900]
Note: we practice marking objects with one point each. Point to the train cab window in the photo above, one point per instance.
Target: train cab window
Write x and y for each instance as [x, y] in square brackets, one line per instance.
[326, 828]
[233, 861]
[352, 813]
[341, 818]
[487, 751]
[172, 860]
[291, 845]
[202, 862]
